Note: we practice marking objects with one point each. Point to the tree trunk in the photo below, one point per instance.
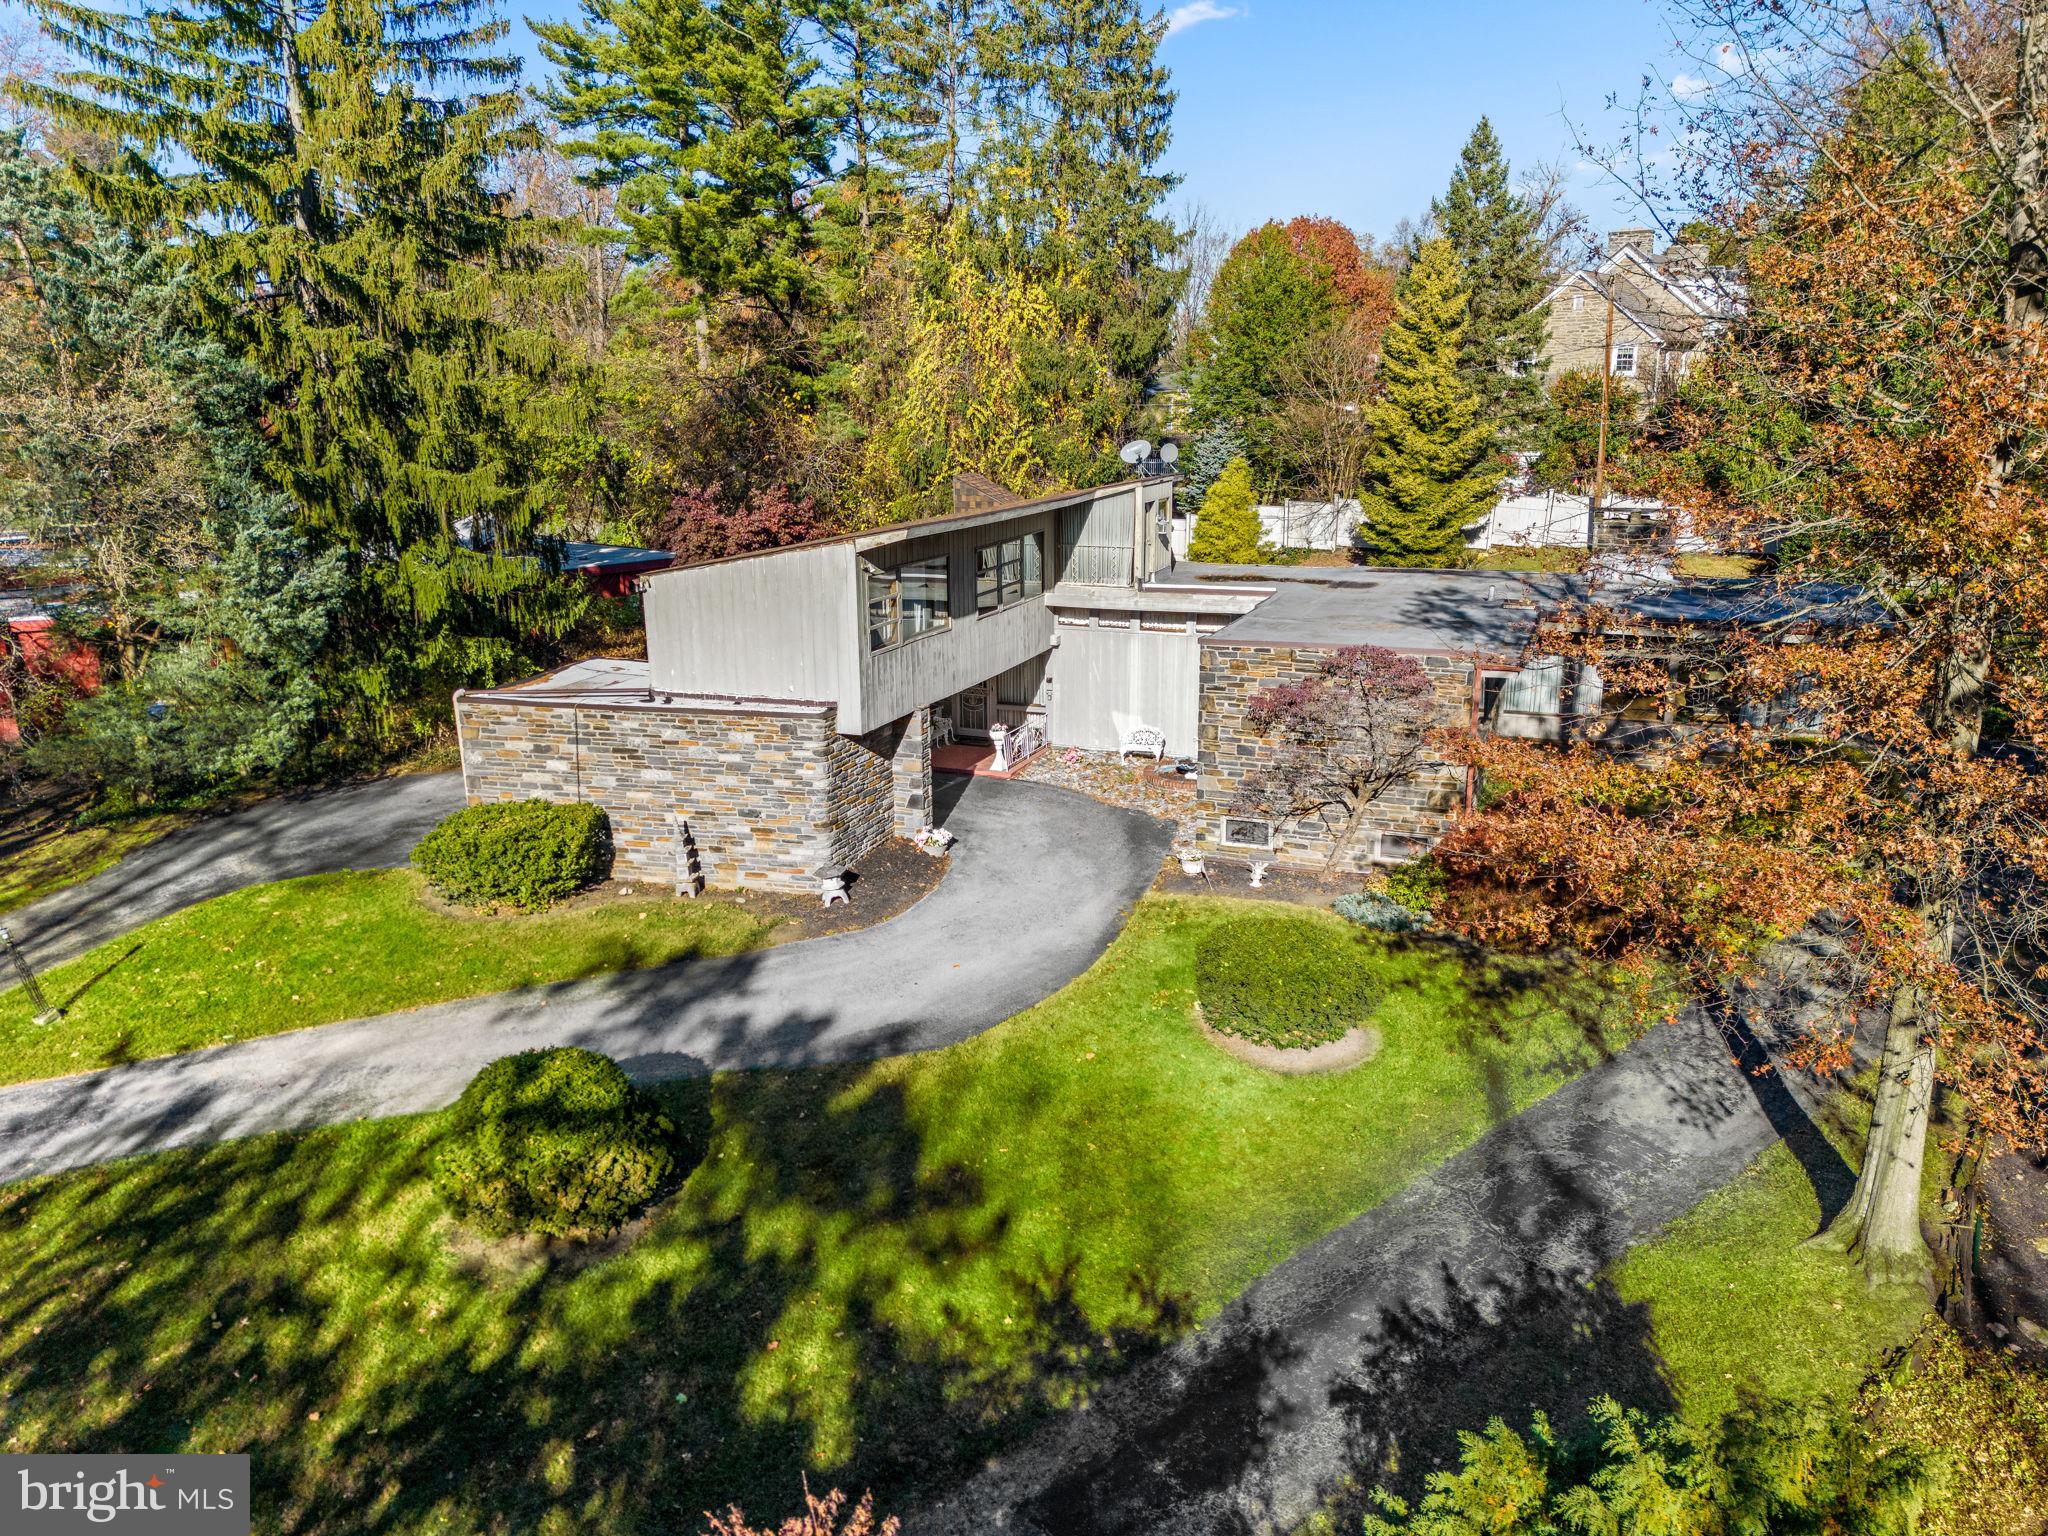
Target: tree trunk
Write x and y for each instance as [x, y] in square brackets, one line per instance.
[1880, 1226]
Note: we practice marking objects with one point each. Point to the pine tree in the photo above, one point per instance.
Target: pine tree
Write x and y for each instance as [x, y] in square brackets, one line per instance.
[1432, 467]
[1227, 531]
[1493, 233]
[929, 91]
[713, 120]
[1068, 184]
[326, 167]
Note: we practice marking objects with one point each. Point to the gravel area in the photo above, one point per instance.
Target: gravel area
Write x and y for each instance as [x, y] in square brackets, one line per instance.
[1135, 784]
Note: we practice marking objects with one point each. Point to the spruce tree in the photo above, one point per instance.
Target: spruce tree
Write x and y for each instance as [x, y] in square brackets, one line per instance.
[1433, 466]
[1203, 464]
[1493, 233]
[325, 165]
[1227, 529]
[715, 123]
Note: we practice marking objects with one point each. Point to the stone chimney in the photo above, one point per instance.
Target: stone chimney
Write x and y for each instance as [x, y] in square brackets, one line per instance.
[1684, 253]
[1642, 241]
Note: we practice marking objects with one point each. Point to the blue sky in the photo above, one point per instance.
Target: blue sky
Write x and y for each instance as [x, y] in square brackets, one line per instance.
[1357, 108]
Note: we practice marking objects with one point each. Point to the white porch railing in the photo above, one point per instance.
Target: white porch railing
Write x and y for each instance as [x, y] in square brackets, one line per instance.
[1015, 743]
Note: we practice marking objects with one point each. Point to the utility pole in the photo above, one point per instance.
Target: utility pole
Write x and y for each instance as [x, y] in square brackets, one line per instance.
[1599, 497]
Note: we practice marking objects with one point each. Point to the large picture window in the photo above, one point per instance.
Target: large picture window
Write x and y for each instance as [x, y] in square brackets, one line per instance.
[906, 602]
[1009, 572]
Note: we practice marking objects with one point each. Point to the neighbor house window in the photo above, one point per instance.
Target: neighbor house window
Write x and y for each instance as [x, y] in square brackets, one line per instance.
[1239, 833]
[906, 602]
[1578, 302]
[1009, 572]
[1625, 359]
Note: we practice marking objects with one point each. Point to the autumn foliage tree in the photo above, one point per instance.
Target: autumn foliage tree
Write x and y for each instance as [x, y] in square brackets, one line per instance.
[1879, 420]
[1337, 740]
[703, 523]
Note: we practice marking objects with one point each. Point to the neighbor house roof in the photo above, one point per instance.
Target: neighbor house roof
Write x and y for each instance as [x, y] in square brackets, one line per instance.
[580, 556]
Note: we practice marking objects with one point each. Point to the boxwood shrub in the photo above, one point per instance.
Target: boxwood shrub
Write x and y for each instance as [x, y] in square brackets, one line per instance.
[1284, 980]
[518, 853]
[557, 1142]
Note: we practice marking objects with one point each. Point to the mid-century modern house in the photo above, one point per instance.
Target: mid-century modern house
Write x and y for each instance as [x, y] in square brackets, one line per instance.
[784, 722]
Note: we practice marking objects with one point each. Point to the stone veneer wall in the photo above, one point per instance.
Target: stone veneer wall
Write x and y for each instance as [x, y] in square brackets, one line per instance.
[1403, 822]
[770, 795]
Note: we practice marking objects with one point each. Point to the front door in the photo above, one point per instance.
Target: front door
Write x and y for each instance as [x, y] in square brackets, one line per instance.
[971, 709]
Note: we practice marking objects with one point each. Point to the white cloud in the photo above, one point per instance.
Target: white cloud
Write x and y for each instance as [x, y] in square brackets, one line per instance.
[1690, 87]
[1195, 12]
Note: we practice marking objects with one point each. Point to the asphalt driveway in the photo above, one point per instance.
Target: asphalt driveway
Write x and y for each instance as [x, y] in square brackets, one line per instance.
[1041, 882]
[364, 826]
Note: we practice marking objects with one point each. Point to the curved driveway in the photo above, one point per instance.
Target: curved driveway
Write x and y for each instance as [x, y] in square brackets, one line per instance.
[1041, 882]
[365, 826]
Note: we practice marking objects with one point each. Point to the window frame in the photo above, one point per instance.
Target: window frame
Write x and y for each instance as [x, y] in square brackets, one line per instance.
[1228, 841]
[1614, 367]
[1025, 588]
[890, 579]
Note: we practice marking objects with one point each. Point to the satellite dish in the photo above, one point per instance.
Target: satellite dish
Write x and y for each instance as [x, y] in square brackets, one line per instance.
[1135, 451]
[1169, 453]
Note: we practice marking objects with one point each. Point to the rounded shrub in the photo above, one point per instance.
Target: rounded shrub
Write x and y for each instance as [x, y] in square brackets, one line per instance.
[557, 1142]
[1286, 981]
[1420, 886]
[518, 853]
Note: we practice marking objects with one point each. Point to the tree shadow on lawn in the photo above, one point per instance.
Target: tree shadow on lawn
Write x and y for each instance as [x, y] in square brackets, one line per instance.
[1495, 999]
[821, 1296]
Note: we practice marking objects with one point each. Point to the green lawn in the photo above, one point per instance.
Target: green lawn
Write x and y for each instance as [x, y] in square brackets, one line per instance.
[1736, 1305]
[1531, 558]
[328, 947]
[876, 1274]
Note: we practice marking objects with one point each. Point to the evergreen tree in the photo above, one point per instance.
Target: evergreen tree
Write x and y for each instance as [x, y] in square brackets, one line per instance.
[1068, 184]
[1432, 467]
[715, 123]
[325, 165]
[1227, 530]
[929, 90]
[1205, 462]
[1493, 232]
[1265, 305]
[129, 442]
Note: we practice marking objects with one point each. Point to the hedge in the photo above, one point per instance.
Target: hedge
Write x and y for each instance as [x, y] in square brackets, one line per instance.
[1286, 981]
[555, 1141]
[519, 853]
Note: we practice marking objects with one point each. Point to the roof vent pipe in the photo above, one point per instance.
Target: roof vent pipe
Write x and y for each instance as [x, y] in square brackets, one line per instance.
[1489, 593]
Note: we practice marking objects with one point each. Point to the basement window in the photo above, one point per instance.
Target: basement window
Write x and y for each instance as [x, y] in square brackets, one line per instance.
[1241, 833]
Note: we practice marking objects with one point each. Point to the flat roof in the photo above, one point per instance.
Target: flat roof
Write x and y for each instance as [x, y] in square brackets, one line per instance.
[1403, 610]
[621, 683]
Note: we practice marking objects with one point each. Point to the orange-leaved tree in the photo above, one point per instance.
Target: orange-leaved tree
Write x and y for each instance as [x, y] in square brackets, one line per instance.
[1861, 737]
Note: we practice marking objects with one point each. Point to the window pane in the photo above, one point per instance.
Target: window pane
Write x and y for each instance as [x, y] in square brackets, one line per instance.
[1535, 690]
[1034, 564]
[925, 602]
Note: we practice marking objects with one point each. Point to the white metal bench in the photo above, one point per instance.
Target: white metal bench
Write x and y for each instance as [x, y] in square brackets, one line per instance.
[1143, 739]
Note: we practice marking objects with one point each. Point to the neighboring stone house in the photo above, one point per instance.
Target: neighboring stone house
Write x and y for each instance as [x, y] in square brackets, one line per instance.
[1667, 306]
